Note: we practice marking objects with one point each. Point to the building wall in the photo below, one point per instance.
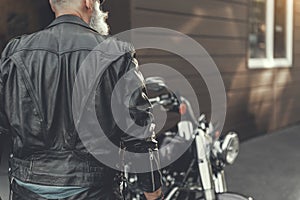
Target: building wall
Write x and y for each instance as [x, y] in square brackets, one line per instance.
[260, 100]
[28, 16]
[22, 17]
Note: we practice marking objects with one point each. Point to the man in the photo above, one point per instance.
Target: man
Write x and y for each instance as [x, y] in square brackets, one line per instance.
[37, 75]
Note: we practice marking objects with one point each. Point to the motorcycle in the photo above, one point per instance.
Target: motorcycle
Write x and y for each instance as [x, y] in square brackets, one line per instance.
[198, 174]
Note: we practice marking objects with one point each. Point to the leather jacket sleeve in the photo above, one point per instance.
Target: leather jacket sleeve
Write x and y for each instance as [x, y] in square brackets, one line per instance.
[140, 135]
[3, 118]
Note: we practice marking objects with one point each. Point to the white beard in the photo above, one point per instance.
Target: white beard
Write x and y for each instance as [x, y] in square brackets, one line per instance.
[98, 20]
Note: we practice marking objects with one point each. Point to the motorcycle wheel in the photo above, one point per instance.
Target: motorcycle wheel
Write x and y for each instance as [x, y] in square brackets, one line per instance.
[229, 196]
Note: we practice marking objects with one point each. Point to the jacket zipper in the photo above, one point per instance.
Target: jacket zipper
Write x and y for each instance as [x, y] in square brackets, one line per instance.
[152, 170]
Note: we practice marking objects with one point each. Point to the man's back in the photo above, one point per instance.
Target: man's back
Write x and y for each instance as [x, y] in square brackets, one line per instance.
[38, 73]
[41, 75]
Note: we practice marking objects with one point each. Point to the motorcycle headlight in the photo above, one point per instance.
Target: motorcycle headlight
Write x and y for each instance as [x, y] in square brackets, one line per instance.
[230, 148]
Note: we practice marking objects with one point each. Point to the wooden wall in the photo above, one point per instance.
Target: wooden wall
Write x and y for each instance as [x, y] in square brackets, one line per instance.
[119, 15]
[22, 17]
[259, 101]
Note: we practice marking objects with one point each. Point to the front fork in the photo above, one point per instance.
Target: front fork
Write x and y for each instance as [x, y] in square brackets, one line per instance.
[204, 167]
[220, 183]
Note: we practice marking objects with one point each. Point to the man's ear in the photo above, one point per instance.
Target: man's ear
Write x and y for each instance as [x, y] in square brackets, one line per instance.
[52, 6]
[89, 4]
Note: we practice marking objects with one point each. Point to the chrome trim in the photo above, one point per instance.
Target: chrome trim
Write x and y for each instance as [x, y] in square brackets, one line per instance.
[220, 182]
[172, 193]
[204, 167]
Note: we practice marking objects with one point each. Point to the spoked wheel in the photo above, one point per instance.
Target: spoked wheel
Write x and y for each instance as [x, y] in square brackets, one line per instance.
[230, 196]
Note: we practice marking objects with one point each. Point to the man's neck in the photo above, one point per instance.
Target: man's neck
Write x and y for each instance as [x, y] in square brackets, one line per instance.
[78, 14]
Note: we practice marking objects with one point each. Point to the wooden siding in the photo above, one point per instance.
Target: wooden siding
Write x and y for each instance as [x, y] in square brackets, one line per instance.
[23, 17]
[119, 15]
[260, 100]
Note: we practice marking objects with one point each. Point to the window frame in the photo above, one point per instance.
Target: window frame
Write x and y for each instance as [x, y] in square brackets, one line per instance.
[270, 61]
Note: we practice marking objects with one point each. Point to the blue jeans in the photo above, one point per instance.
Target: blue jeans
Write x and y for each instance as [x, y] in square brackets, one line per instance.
[103, 193]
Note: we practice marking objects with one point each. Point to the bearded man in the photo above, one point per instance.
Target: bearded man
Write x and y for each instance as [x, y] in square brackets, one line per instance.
[37, 76]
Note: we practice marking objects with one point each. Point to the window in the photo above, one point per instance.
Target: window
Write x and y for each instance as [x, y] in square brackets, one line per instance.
[271, 33]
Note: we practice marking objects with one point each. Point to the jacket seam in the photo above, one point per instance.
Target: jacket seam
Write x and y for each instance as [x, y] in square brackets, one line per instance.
[3, 131]
[29, 88]
[65, 52]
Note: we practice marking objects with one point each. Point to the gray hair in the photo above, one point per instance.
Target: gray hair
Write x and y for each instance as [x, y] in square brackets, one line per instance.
[65, 3]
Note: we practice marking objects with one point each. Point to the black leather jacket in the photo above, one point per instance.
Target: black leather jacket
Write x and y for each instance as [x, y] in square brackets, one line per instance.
[38, 72]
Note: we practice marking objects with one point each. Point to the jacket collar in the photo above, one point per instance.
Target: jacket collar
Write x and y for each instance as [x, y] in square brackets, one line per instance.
[71, 19]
